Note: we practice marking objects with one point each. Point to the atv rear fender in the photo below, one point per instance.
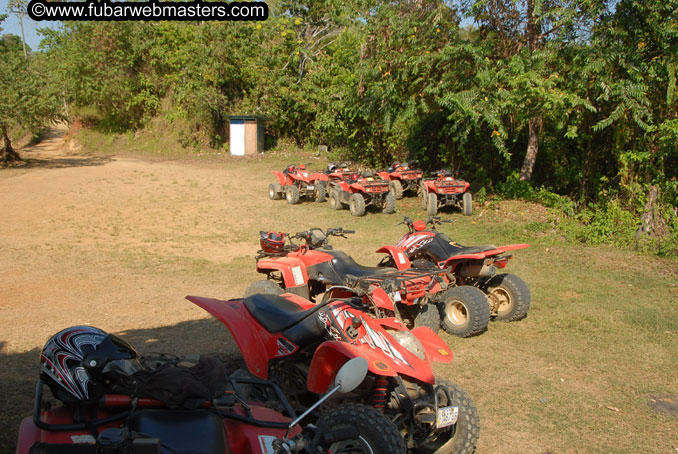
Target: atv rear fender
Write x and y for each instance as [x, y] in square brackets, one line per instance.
[243, 327]
[280, 176]
[399, 257]
[482, 255]
[317, 176]
[430, 185]
[384, 176]
[293, 270]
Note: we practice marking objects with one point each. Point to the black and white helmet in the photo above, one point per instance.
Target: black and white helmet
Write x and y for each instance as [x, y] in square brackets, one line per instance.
[78, 363]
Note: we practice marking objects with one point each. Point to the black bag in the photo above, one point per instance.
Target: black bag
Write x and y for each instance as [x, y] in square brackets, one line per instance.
[181, 382]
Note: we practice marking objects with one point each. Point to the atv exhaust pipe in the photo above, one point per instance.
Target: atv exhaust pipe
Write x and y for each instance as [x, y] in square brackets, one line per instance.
[484, 269]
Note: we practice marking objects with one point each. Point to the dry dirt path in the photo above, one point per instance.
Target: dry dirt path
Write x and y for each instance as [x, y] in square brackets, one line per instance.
[115, 242]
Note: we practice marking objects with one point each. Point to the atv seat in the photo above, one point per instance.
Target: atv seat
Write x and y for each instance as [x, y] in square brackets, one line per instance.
[345, 265]
[276, 313]
[463, 250]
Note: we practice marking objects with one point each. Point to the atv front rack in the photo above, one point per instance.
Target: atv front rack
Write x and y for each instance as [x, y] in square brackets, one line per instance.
[222, 405]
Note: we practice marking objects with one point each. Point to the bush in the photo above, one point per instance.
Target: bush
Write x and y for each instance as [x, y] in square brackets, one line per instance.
[514, 188]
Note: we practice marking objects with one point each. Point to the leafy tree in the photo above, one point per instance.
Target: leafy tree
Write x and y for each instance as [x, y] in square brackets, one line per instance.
[532, 34]
[24, 96]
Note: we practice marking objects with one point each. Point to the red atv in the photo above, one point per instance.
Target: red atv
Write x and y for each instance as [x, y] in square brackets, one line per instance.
[508, 295]
[310, 268]
[296, 182]
[401, 178]
[230, 423]
[299, 345]
[445, 190]
[359, 190]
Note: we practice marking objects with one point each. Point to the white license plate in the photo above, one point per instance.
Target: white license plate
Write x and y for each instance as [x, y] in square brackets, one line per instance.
[311, 187]
[447, 416]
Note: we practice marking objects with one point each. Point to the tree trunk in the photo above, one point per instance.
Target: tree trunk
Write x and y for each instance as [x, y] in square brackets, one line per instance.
[7, 154]
[536, 124]
[651, 222]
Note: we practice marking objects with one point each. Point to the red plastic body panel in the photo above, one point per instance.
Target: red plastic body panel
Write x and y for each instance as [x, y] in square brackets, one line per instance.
[384, 355]
[413, 239]
[382, 300]
[402, 262]
[257, 345]
[250, 439]
[288, 267]
[436, 349]
[483, 255]
[280, 177]
[445, 186]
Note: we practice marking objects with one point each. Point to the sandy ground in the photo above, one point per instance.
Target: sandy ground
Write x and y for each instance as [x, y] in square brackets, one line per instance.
[115, 243]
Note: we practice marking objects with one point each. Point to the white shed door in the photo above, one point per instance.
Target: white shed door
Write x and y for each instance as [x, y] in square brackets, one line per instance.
[237, 142]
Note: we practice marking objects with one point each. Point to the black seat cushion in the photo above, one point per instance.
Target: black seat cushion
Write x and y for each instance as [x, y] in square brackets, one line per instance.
[181, 431]
[463, 250]
[344, 265]
[274, 312]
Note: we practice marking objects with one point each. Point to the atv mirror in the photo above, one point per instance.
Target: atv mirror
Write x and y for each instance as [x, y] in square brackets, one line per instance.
[351, 374]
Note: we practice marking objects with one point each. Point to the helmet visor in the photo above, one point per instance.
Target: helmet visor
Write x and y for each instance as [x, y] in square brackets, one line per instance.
[123, 366]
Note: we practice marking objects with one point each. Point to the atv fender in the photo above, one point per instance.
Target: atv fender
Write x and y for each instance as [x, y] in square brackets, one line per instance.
[382, 300]
[28, 435]
[384, 176]
[242, 327]
[483, 255]
[436, 349]
[280, 176]
[293, 270]
[317, 176]
[430, 185]
[399, 257]
[331, 355]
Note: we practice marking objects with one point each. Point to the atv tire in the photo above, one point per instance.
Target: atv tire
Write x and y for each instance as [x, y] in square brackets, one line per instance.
[292, 195]
[335, 204]
[265, 287]
[320, 192]
[423, 196]
[357, 205]
[274, 190]
[462, 437]
[465, 311]
[432, 204]
[468, 204]
[396, 188]
[510, 294]
[389, 203]
[429, 316]
[376, 433]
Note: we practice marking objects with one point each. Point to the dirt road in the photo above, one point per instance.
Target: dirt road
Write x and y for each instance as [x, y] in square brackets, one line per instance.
[115, 242]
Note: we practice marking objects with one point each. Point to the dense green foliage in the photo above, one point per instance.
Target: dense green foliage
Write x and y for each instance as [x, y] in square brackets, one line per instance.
[26, 101]
[590, 85]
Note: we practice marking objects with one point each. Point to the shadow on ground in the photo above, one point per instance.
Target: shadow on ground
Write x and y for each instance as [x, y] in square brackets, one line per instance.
[64, 162]
[19, 371]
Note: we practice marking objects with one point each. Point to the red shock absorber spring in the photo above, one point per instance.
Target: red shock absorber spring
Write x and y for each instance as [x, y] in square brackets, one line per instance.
[380, 386]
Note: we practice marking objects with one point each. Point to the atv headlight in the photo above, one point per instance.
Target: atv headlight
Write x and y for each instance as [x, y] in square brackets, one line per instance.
[410, 342]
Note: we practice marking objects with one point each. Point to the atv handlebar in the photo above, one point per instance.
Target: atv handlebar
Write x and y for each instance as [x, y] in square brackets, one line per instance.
[316, 237]
[432, 221]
